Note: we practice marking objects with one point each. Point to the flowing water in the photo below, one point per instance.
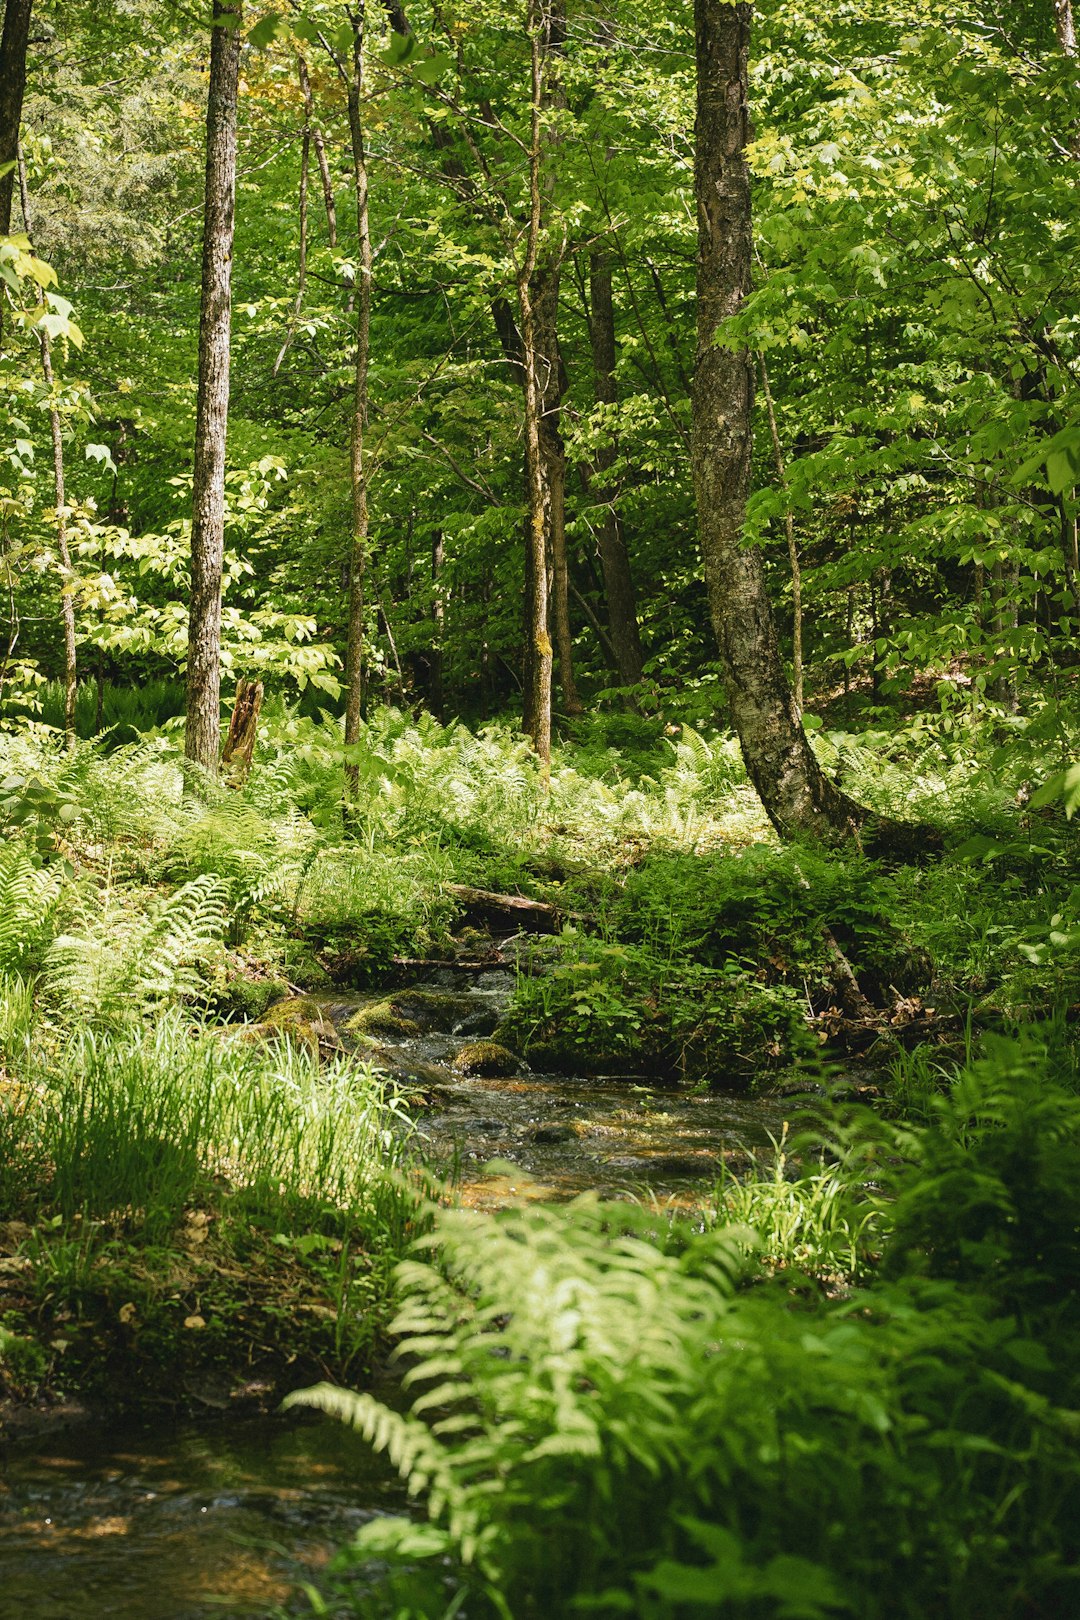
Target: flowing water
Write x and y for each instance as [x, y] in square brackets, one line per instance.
[181, 1522]
[551, 1136]
[189, 1522]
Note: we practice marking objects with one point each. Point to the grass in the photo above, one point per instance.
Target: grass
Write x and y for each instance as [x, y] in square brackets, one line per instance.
[124, 1149]
[146, 927]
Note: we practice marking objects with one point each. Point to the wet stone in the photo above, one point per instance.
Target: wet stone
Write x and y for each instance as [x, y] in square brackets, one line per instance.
[486, 1060]
[552, 1133]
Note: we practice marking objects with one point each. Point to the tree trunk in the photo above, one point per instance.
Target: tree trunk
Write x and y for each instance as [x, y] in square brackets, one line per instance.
[203, 728]
[12, 89]
[67, 577]
[354, 656]
[302, 212]
[320, 148]
[553, 456]
[1065, 26]
[538, 655]
[798, 798]
[614, 561]
[793, 550]
[438, 616]
[240, 743]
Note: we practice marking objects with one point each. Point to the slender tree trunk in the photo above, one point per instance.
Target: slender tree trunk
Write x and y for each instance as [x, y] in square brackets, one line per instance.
[538, 653]
[793, 550]
[302, 250]
[13, 46]
[438, 615]
[202, 735]
[1065, 25]
[67, 577]
[553, 455]
[354, 656]
[799, 799]
[623, 635]
[320, 148]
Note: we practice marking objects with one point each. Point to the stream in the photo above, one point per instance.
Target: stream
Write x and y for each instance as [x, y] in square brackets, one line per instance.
[552, 1135]
[185, 1522]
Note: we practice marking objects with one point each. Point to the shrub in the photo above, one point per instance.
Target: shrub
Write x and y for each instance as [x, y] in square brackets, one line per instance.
[605, 1421]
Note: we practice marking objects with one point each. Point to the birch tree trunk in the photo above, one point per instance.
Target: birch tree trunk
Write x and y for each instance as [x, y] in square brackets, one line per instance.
[202, 736]
[354, 656]
[799, 799]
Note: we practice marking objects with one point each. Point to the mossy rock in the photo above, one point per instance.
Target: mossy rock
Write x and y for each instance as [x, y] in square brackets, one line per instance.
[382, 1018]
[301, 1020]
[486, 1060]
[555, 1132]
[252, 998]
[432, 1009]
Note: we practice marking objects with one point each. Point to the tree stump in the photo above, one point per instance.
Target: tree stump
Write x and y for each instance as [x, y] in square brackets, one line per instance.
[240, 743]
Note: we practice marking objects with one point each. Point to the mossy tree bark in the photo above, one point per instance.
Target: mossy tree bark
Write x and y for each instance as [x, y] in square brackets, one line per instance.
[202, 735]
[798, 797]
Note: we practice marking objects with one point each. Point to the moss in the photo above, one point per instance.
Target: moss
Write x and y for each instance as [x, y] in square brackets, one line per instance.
[381, 1018]
[486, 1059]
[251, 998]
[301, 1020]
[432, 1009]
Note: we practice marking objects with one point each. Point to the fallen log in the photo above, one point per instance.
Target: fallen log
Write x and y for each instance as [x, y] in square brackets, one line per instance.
[514, 911]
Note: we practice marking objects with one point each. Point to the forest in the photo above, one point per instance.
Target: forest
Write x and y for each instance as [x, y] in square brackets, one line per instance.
[539, 770]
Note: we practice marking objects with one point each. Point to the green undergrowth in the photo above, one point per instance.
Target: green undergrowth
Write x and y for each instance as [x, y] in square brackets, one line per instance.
[155, 928]
[617, 1415]
[181, 1205]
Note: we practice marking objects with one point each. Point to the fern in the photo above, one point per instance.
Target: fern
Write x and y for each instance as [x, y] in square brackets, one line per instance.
[28, 895]
[123, 962]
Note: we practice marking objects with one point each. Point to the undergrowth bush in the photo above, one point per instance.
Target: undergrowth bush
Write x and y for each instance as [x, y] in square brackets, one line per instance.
[606, 1422]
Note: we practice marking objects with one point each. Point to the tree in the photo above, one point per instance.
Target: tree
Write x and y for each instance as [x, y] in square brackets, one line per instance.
[354, 657]
[618, 581]
[13, 46]
[56, 436]
[202, 737]
[799, 798]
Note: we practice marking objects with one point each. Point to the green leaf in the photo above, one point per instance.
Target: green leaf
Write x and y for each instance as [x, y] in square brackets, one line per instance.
[268, 28]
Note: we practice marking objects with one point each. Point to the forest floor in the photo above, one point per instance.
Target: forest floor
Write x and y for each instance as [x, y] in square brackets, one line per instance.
[208, 1182]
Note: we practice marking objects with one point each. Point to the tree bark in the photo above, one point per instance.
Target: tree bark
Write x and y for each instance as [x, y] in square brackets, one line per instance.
[538, 652]
[239, 747]
[320, 148]
[67, 577]
[799, 799]
[619, 591]
[13, 46]
[1065, 26]
[302, 212]
[438, 618]
[793, 550]
[203, 728]
[553, 456]
[354, 655]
